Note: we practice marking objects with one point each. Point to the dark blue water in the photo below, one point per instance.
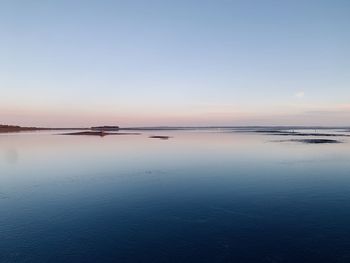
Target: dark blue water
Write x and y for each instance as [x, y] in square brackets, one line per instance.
[198, 197]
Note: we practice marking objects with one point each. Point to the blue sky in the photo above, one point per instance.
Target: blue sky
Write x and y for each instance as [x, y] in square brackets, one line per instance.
[73, 63]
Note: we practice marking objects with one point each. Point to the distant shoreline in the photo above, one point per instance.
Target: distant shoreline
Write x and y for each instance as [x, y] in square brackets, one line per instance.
[14, 128]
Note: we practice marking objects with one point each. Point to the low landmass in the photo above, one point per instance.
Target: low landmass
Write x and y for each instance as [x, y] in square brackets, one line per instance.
[14, 128]
[292, 133]
[99, 133]
[312, 141]
[105, 128]
[162, 137]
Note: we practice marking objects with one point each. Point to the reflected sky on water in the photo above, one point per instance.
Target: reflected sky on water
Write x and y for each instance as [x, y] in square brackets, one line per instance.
[201, 196]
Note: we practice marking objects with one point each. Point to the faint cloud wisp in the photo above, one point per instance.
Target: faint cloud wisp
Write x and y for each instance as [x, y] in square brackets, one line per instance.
[300, 94]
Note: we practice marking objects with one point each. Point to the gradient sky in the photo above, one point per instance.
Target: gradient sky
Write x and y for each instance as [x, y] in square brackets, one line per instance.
[139, 63]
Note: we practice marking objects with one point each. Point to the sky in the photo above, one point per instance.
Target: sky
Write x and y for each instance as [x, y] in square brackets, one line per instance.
[70, 63]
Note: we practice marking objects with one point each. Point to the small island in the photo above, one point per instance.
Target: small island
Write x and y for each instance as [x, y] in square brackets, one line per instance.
[312, 141]
[15, 128]
[105, 128]
[162, 137]
[99, 133]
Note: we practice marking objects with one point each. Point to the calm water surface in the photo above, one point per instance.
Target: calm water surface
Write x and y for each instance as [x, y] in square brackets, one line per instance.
[201, 196]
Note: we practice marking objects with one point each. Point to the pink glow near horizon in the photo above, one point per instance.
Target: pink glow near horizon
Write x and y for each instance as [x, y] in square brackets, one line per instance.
[337, 115]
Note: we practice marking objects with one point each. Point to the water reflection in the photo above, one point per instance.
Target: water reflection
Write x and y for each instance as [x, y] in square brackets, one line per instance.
[11, 155]
[199, 196]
